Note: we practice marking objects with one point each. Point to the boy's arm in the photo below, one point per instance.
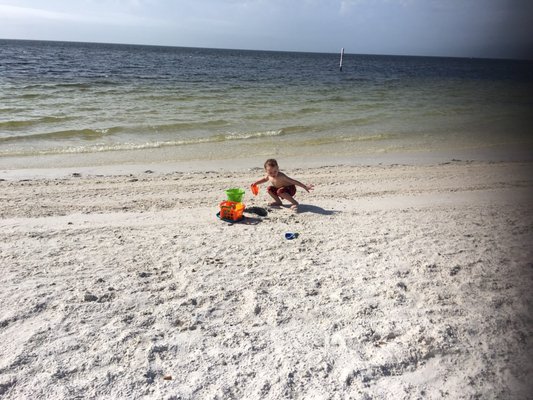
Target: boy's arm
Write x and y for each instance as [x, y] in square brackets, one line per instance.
[298, 183]
[260, 181]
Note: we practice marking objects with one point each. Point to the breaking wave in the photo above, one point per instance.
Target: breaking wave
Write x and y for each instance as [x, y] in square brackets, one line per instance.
[96, 148]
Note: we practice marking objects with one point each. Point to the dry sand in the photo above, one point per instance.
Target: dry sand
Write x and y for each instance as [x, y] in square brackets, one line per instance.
[405, 282]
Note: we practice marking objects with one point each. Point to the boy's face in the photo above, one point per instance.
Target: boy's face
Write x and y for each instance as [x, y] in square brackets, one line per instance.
[272, 171]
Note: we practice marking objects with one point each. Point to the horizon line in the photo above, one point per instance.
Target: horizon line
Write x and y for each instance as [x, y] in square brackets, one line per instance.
[263, 50]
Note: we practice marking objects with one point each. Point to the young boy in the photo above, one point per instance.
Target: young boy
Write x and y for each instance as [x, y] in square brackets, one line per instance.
[281, 185]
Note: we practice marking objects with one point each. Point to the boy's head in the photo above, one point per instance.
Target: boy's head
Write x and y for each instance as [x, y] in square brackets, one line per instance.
[271, 167]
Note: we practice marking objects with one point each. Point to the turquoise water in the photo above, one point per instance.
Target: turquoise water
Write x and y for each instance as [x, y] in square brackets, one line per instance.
[107, 103]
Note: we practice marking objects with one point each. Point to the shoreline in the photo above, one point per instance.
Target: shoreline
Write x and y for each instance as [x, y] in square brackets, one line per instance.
[43, 167]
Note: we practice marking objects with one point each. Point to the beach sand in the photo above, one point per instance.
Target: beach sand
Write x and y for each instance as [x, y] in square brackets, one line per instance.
[405, 282]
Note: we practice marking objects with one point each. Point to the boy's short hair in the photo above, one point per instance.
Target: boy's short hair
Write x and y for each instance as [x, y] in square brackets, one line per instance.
[271, 163]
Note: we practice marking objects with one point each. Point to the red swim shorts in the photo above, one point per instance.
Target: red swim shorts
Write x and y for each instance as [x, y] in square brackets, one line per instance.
[291, 189]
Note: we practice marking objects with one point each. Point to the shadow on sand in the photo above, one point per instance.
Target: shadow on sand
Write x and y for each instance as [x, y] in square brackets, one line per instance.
[245, 221]
[250, 221]
[307, 208]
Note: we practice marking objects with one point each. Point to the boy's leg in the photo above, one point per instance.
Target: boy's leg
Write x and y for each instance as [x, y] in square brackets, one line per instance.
[290, 199]
[277, 200]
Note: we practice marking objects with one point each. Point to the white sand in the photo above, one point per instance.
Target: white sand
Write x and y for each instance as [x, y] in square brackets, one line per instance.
[406, 282]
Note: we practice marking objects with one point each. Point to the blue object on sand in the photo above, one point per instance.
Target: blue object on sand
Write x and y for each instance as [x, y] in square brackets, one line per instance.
[290, 235]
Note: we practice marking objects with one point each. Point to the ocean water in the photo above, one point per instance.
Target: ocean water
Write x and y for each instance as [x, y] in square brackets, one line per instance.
[105, 103]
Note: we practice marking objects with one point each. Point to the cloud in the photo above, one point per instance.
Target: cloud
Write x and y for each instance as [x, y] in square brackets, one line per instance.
[348, 6]
[16, 12]
[28, 14]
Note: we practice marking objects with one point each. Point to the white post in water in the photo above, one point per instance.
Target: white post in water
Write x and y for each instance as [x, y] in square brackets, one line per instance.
[340, 64]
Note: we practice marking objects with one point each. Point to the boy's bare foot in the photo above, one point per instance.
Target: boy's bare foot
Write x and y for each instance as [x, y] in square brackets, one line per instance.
[275, 204]
[294, 207]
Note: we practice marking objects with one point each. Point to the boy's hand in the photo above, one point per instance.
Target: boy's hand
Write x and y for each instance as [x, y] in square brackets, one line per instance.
[309, 187]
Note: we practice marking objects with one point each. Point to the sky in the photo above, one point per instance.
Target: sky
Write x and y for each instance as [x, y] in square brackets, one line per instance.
[457, 28]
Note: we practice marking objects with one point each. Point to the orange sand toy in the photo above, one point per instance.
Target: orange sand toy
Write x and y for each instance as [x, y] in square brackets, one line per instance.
[255, 189]
[231, 210]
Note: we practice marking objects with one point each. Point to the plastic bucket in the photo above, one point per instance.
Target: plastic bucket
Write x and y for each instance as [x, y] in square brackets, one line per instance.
[235, 195]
